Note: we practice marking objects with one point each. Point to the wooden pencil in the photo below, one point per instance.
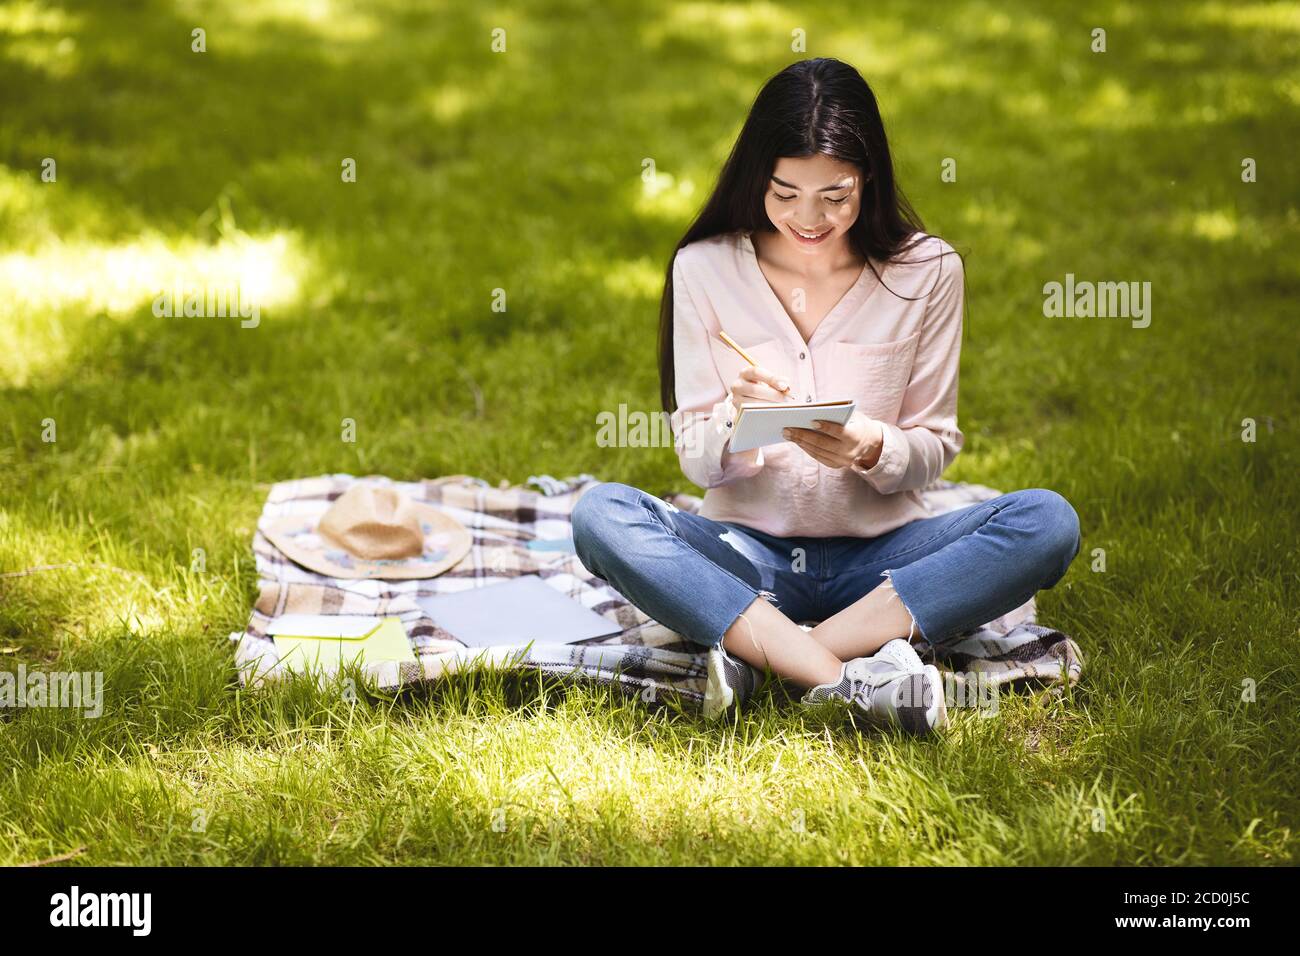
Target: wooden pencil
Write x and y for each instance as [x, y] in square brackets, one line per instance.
[728, 341]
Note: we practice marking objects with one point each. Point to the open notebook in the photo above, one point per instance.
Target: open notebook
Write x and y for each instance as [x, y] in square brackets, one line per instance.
[759, 424]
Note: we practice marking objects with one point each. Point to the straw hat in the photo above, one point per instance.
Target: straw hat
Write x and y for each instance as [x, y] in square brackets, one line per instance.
[372, 531]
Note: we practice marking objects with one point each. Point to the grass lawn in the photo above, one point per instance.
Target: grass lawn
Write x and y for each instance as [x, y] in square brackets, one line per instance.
[522, 171]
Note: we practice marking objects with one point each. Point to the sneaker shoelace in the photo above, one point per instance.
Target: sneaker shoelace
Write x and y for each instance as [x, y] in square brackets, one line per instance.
[901, 654]
[888, 663]
[861, 675]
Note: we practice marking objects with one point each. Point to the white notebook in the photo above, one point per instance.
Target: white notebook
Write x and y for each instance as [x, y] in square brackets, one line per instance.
[758, 424]
[522, 610]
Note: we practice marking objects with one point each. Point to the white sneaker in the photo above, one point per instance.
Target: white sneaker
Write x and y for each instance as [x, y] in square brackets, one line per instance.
[729, 678]
[891, 686]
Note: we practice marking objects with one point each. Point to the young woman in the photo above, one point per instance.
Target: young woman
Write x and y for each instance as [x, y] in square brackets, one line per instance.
[808, 256]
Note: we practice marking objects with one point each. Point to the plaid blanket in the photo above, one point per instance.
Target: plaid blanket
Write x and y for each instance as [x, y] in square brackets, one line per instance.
[526, 529]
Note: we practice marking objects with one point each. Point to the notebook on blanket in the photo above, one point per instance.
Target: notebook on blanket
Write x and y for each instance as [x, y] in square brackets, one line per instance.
[328, 642]
[525, 610]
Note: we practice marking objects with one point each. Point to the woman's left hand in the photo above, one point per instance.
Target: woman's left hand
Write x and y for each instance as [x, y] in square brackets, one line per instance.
[839, 446]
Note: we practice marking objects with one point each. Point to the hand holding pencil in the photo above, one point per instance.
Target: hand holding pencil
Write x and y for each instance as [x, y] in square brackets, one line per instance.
[755, 383]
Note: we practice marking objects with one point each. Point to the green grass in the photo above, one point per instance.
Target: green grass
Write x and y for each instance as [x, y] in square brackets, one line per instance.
[522, 171]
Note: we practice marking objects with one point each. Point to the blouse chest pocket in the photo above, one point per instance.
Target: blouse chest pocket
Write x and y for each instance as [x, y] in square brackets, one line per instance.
[875, 375]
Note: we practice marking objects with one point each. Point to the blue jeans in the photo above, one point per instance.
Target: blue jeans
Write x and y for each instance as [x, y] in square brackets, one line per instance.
[953, 572]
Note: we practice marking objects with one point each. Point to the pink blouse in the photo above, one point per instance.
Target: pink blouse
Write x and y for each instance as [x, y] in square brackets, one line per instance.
[894, 352]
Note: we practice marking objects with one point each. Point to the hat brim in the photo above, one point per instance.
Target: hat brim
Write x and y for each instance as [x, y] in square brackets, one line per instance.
[447, 541]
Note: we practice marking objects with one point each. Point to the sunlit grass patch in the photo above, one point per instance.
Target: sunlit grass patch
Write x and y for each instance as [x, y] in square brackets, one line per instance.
[45, 294]
[243, 25]
[39, 36]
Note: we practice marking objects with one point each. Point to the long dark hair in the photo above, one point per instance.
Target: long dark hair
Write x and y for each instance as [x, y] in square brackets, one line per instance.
[813, 106]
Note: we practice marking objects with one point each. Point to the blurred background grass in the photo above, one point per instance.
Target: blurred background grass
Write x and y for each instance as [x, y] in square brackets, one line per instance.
[521, 171]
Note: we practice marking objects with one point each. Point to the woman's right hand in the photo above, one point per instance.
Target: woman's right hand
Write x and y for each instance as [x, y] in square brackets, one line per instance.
[759, 385]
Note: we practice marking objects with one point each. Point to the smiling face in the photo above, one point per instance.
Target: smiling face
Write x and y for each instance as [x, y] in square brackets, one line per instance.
[813, 200]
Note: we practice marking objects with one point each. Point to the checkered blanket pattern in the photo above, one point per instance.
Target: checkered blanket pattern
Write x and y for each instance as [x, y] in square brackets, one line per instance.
[645, 657]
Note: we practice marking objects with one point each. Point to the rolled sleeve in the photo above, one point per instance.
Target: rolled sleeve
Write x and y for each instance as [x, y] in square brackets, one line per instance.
[701, 444]
[891, 466]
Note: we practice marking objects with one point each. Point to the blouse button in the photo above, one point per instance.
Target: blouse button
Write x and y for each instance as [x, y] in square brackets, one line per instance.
[803, 355]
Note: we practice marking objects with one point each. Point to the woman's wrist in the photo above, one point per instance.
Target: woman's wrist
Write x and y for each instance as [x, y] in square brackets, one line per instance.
[867, 454]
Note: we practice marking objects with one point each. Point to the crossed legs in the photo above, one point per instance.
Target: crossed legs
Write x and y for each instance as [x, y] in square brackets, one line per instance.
[941, 575]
